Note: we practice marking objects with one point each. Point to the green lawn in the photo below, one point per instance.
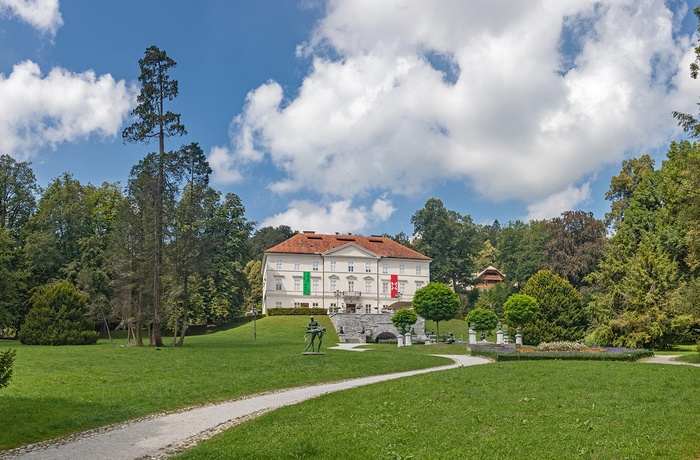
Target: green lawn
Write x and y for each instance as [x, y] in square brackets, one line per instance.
[529, 410]
[60, 390]
[552, 409]
[690, 358]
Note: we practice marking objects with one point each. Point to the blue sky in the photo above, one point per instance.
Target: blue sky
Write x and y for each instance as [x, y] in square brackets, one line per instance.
[348, 115]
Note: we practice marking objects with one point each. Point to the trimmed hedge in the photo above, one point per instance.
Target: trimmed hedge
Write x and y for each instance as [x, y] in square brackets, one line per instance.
[304, 311]
[605, 354]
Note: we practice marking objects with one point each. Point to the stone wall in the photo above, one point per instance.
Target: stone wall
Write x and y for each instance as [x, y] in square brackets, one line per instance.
[355, 327]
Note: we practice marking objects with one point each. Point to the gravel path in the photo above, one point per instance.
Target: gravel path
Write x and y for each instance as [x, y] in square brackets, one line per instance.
[667, 359]
[161, 435]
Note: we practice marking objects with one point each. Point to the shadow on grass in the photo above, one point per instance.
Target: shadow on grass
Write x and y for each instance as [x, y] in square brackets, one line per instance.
[30, 421]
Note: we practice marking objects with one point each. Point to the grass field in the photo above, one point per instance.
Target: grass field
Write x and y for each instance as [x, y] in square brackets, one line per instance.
[530, 410]
[554, 409]
[60, 390]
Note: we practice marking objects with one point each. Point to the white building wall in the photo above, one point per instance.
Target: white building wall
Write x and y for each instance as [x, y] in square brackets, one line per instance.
[283, 280]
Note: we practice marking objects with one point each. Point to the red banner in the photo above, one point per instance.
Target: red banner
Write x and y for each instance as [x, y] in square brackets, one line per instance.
[394, 286]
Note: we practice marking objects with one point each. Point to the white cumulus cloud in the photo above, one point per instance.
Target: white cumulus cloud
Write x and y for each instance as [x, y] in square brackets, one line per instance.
[555, 204]
[43, 15]
[338, 216]
[42, 111]
[518, 100]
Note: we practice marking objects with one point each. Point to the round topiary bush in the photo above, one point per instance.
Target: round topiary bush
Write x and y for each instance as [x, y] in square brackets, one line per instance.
[482, 319]
[403, 320]
[58, 316]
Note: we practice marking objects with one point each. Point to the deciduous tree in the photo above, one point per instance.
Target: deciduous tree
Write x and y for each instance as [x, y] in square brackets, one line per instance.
[403, 319]
[450, 239]
[17, 190]
[576, 241]
[436, 302]
[482, 319]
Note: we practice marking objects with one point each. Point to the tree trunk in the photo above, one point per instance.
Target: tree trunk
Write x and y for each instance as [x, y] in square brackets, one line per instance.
[156, 338]
[185, 311]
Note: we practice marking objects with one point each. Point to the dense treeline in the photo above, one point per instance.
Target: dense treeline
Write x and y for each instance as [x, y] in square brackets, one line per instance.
[168, 251]
[633, 283]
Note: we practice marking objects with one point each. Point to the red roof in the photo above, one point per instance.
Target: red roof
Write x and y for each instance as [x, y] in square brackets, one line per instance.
[312, 243]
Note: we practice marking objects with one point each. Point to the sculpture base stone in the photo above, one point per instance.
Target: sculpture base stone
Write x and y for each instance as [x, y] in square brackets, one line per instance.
[313, 353]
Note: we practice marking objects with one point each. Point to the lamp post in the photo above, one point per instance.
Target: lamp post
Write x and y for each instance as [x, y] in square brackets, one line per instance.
[254, 310]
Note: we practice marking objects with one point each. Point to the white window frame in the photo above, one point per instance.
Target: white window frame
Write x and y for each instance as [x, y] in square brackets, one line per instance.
[351, 267]
[278, 284]
[368, 267]
[314, 266]
[297, 264]
[278, 264]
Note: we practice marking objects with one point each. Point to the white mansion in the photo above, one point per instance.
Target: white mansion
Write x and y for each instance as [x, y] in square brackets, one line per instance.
[341, 273]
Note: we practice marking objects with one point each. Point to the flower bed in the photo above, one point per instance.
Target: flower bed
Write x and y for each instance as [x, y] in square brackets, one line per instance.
[567, 353]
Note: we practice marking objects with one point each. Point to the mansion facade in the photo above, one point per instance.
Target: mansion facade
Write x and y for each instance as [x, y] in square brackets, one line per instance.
[342, 273]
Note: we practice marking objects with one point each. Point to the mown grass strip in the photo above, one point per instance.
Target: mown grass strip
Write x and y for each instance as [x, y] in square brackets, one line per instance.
[525, 410]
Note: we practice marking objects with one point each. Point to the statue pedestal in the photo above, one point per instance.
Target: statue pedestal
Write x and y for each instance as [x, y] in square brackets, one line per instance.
[499, 338]
[400, 340]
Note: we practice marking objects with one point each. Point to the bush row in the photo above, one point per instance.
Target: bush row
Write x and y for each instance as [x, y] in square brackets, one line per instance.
[514, 355]
[303, 311]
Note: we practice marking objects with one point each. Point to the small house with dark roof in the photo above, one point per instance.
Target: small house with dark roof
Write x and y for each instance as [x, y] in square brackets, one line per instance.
[342, 273]
[488, 278]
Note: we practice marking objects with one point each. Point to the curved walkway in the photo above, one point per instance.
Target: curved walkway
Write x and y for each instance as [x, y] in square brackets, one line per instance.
[161, 435]
[667, 359]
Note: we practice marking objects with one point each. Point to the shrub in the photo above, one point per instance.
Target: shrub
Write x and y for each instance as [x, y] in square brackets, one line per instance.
[561, 311]
[7, 359]
[561, 346]
[520, 309]
[483, 319]
[403, 319]
[530, 354]
[58, 316]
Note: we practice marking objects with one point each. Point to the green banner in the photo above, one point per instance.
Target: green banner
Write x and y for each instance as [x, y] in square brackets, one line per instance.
[307, 283]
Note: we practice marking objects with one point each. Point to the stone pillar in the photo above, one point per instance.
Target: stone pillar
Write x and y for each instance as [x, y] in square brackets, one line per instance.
[407, 339]
[400, 339]
[505, 338]
[518, 338]
[472, 335]
[499, 337]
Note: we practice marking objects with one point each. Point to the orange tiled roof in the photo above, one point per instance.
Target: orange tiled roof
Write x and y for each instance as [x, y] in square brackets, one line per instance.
[312, 243]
